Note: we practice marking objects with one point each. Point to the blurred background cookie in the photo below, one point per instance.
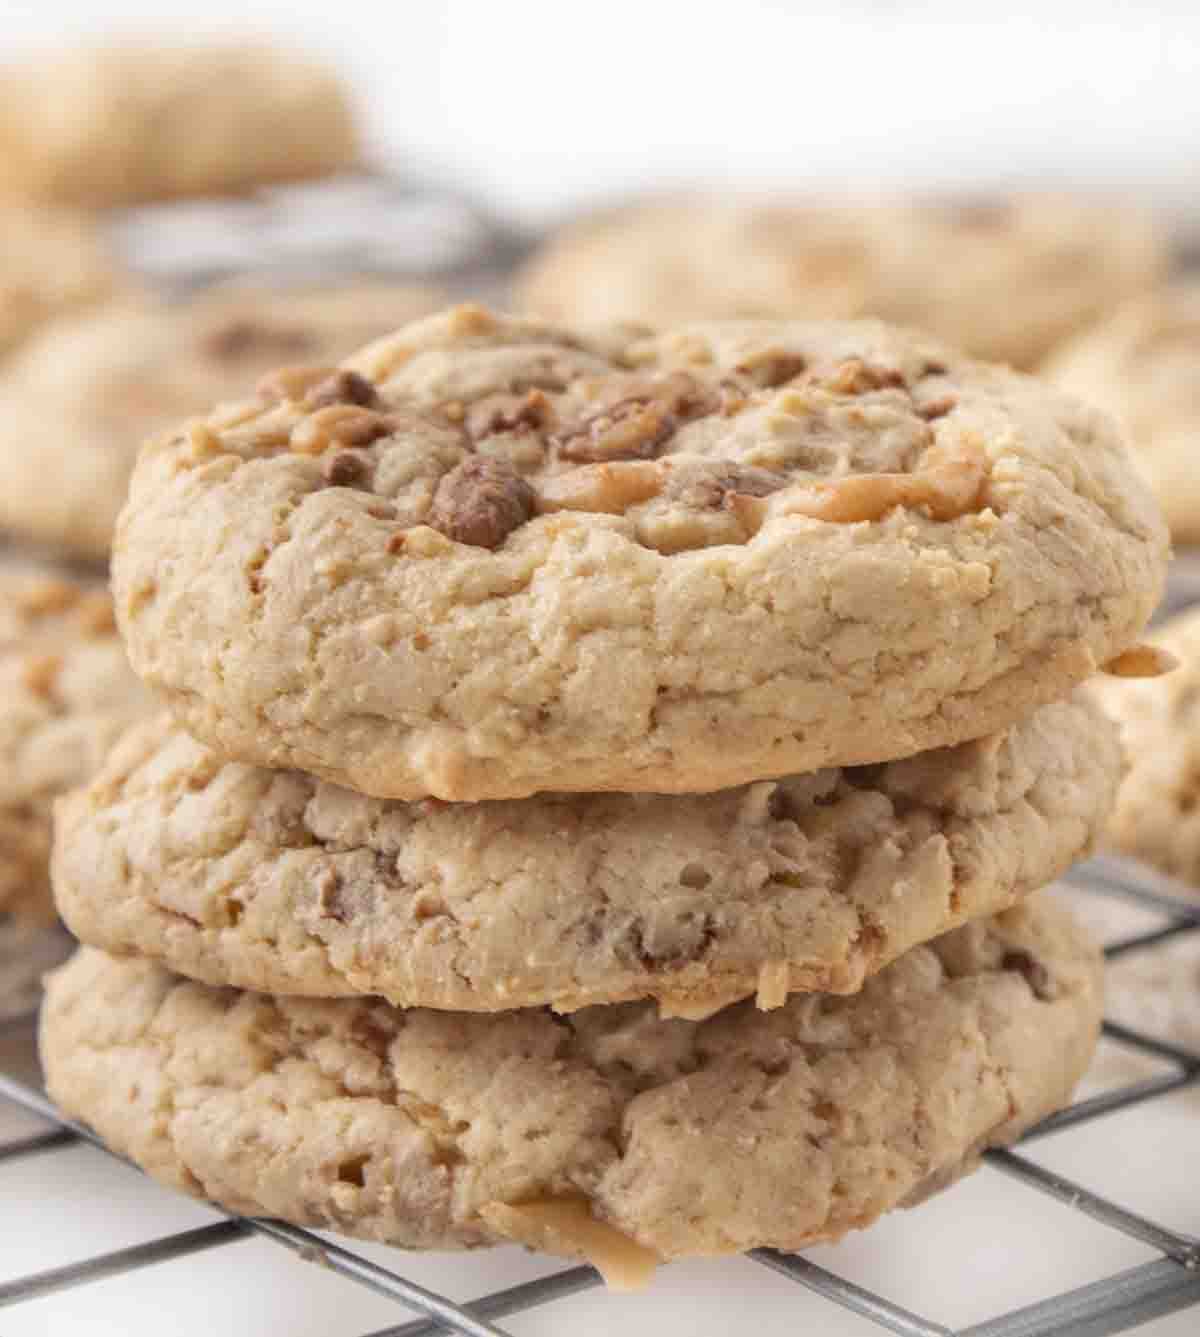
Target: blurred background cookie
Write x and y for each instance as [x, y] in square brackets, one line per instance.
[1144, 365]
[66, 692]
[52, 263]
[1005, 279]
[77, 403]
[118, 123]
[1157, 818]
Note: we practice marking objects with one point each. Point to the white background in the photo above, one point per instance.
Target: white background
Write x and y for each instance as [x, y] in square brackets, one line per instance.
[542, 104]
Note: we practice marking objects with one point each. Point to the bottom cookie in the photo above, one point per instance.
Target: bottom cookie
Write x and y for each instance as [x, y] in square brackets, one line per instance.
[610, 1133]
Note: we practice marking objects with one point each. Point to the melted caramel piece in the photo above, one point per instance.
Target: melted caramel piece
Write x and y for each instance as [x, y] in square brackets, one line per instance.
[672, 1007]
[773, 980]
[566, 1225]
[337, 425]
[948, 485]
[607, 488]
[1141, 661]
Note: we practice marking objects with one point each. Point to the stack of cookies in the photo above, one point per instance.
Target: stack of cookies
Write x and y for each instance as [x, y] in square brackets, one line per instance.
[604, 786]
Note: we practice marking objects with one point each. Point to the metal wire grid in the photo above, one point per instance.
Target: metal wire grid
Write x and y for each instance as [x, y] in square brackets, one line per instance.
[1115, 1304]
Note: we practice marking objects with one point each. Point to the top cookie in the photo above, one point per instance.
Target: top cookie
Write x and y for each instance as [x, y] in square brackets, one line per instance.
[490, 557]
[77, 402]
[51, 262]
[126, 122]
[1006, 280]
[1157, 817]
[1144, 366]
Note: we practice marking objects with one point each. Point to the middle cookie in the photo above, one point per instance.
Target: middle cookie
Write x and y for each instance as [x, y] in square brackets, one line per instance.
[279, 882]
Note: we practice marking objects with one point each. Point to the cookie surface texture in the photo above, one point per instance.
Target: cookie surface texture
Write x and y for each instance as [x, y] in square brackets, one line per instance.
[277, 882]
[442, 1130]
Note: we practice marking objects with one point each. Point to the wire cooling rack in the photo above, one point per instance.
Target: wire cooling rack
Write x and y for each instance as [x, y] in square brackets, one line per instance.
[1168, 1283]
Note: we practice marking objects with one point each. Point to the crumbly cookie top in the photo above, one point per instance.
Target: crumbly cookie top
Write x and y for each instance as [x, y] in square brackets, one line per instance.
[473, 426]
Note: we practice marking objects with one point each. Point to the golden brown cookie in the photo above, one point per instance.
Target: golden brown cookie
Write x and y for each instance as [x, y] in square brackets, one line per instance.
[124, 122]
[281, 883]
[489, 557]
[611, 1132]
[1005, 279]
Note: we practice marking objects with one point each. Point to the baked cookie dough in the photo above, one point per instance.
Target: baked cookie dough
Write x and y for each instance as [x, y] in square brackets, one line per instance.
[77, 403]
[277, 882]
[52, 263]
[489, 557]
[611, 1132]
[1143, 365]
[66, 694]
[1157, 817]
[126, 122]
[1005, 279]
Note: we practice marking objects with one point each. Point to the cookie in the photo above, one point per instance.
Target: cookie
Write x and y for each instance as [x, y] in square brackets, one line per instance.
[77, 403]
[277, 882]
[125, 122]
[66, 693]
[1006, 279]
[52, 263]
[1157, 817]
[610, 1129]
[490, 557]
[1143, 365]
